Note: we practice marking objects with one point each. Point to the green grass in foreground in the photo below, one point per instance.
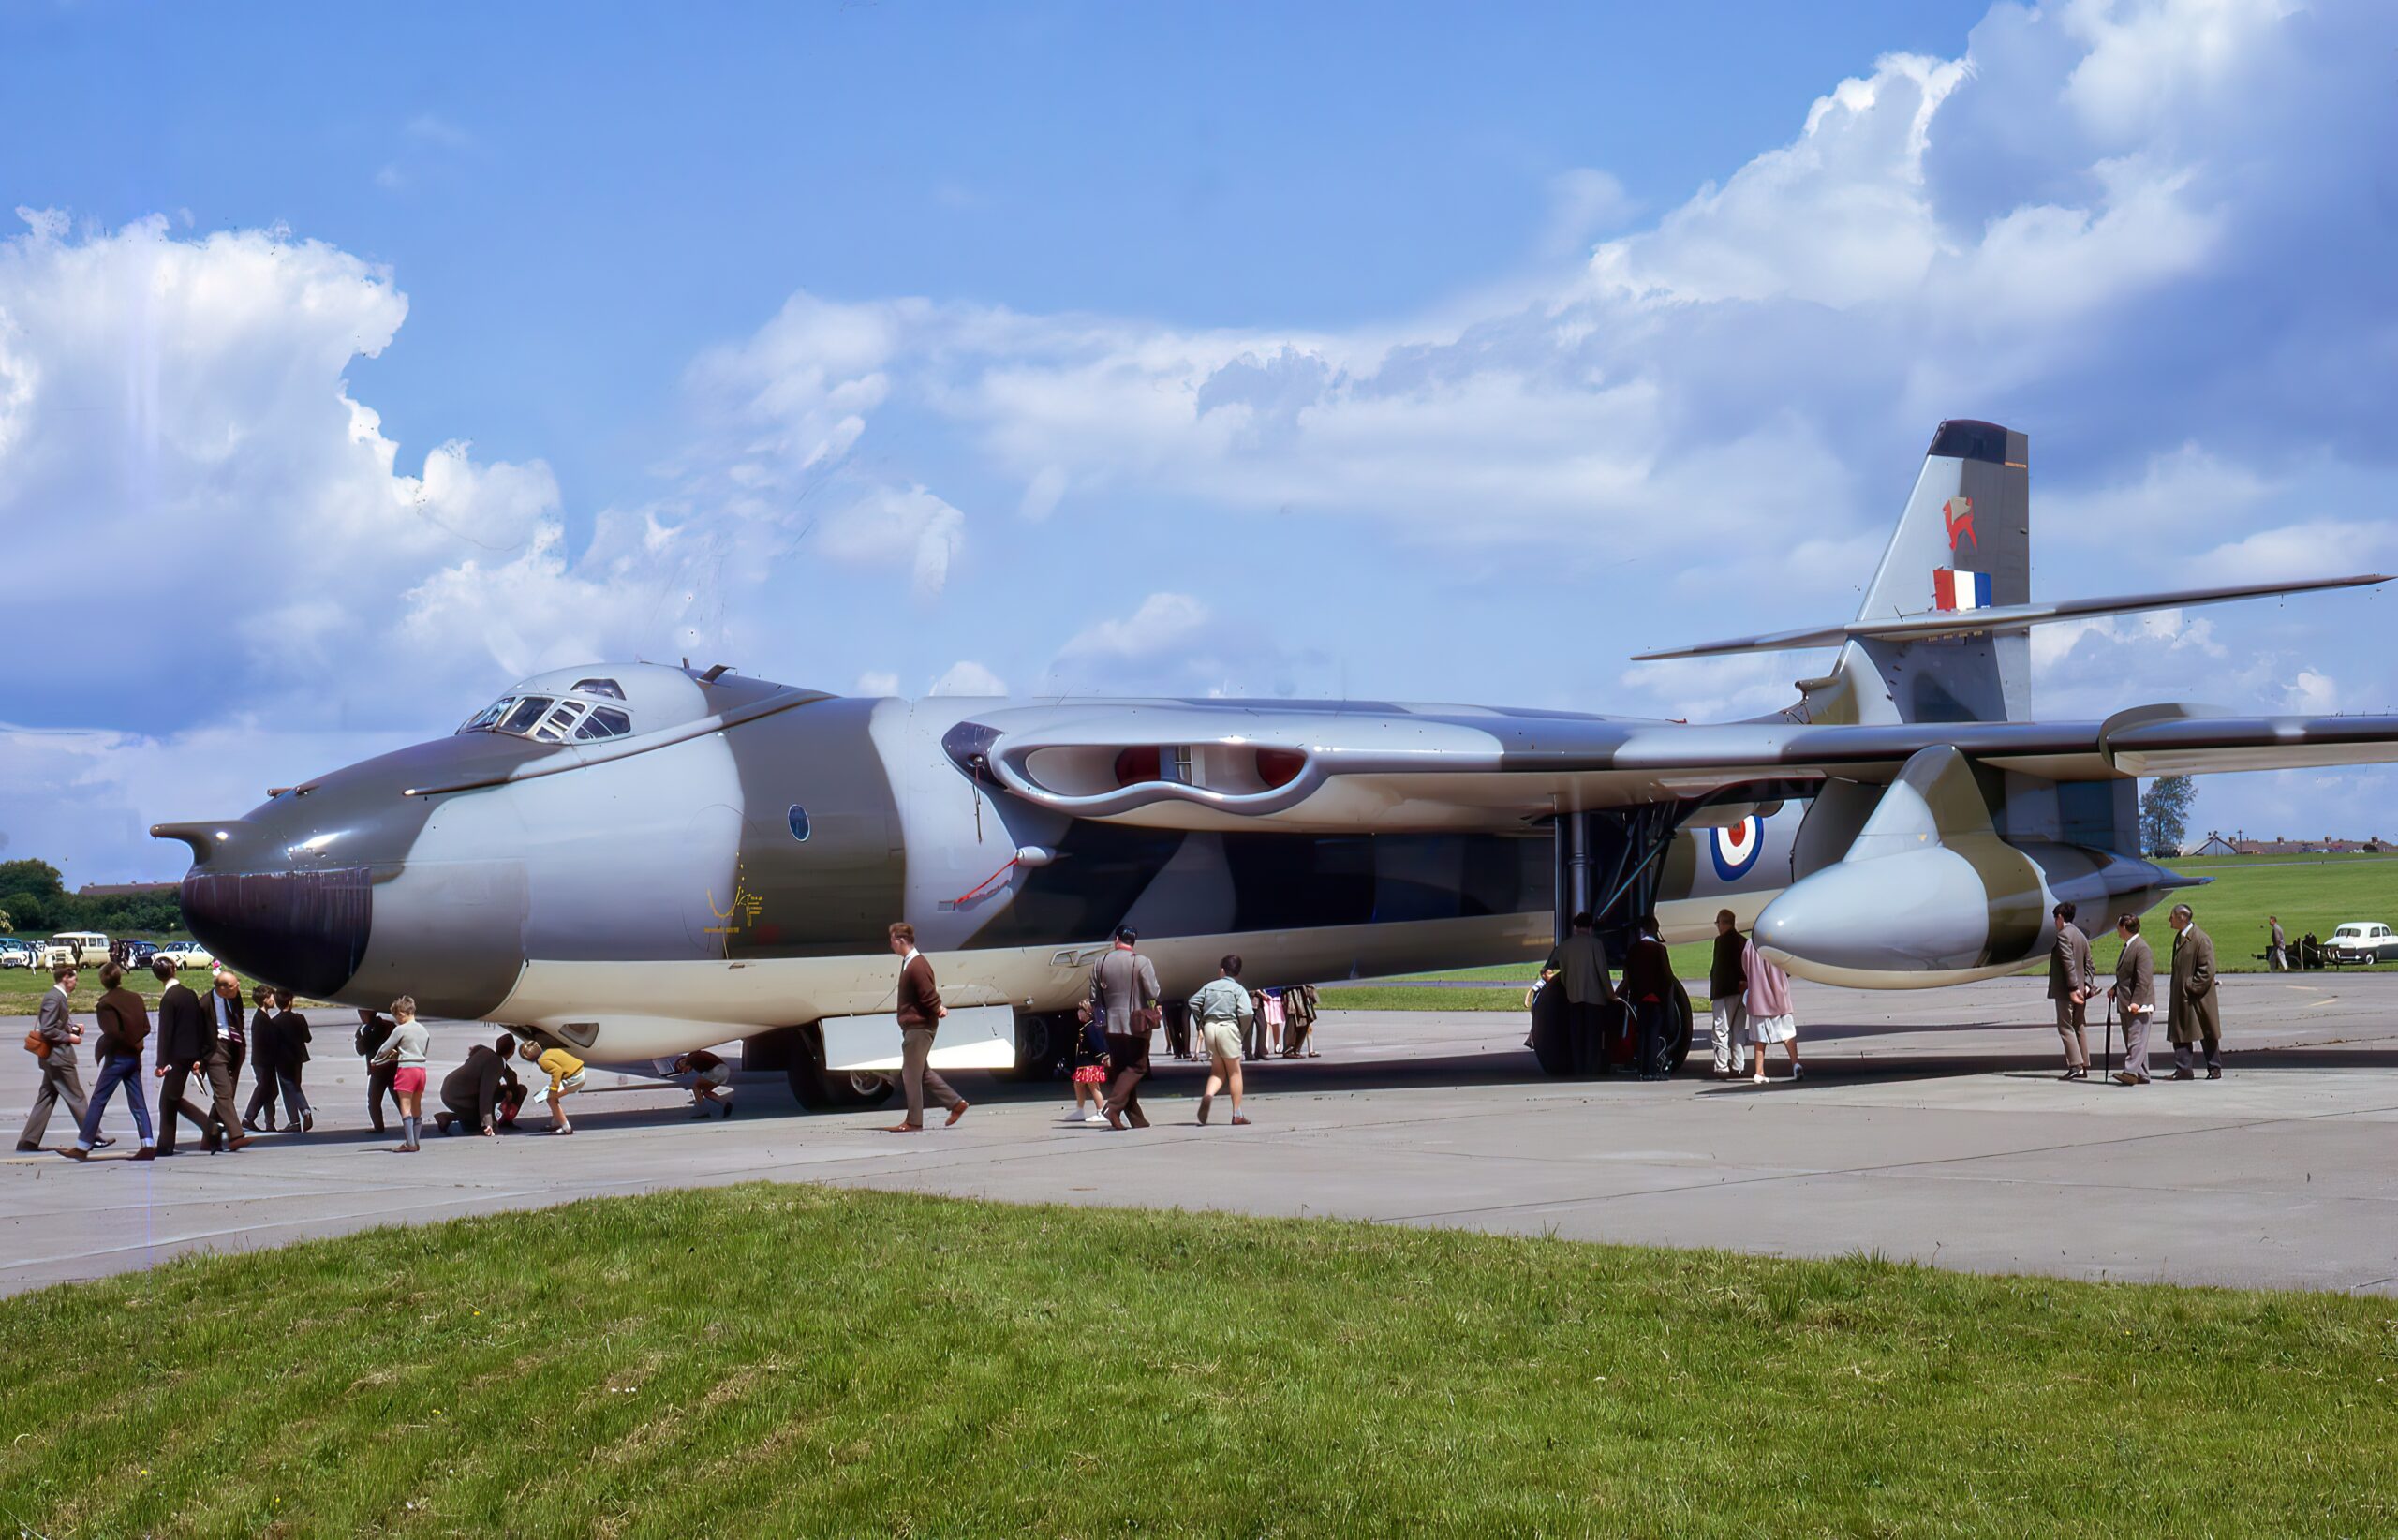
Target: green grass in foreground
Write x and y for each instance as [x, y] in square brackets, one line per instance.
[782, 1359]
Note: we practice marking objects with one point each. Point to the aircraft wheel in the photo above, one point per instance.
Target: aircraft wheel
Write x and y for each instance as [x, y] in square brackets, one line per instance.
[1043, 1047]
[819, 1090]
[1683, 1030]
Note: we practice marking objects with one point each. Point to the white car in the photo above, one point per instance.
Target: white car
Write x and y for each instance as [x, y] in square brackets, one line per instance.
[185, 955]
[15, 953]
[2362, 941]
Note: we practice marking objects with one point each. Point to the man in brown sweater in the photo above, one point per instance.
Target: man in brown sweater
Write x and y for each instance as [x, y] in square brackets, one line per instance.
[125, 1026]
[920, 1014]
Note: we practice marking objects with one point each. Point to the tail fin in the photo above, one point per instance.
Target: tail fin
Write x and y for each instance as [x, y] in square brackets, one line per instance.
[1963, 543]
[1944, 632]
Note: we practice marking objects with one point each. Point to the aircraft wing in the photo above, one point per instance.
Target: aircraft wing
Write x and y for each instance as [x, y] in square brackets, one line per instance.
[1388, 768]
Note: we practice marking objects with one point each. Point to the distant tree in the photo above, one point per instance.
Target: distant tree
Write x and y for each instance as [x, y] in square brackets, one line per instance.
[38, 877]
[33, 912]
[2164, 814]
[8, 926]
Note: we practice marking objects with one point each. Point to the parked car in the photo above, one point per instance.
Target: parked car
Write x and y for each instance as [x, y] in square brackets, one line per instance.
[16, 951]
[75, 949]
[135, 955]
[2362, 941]
[185, 955]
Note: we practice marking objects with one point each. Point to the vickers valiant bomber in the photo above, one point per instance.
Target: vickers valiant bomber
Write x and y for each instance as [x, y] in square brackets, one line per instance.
[639, 858]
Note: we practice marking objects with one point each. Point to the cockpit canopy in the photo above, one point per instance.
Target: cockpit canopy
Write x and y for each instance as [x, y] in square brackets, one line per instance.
[599, 701]
[582, 714]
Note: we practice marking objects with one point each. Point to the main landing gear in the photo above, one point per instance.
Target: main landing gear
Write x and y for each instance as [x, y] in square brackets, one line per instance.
[1608, 865]
[1614, 1046]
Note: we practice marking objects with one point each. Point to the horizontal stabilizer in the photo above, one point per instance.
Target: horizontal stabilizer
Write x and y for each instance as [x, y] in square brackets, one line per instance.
[2004, 617]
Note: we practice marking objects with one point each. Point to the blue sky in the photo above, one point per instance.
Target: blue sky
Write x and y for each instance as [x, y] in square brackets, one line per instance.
[1378, 350]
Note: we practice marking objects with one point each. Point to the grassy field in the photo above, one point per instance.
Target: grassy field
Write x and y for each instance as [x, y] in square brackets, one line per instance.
[2309, 893]
[782, 1359]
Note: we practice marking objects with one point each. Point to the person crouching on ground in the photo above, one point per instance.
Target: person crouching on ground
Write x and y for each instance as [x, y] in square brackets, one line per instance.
[405, 1050]
[711, 1082]
[125, 1024]
[1219, 1009]
[1725, 985]
[1771, 1018]
[470, 1092]
[566, 1078]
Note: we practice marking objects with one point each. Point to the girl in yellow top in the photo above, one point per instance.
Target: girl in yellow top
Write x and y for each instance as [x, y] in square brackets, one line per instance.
[566, 1075]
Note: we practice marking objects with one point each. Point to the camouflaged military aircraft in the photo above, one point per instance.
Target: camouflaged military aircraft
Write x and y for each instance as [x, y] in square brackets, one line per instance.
[639, 859]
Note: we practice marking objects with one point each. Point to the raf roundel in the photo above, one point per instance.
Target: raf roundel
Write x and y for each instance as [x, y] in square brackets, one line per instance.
[1736, 846]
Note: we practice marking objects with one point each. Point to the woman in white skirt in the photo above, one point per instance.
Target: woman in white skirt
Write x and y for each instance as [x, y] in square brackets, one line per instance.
[1770, 1020]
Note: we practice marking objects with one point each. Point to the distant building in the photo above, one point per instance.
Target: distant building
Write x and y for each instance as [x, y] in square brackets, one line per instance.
[2240, 844]
[125, 890]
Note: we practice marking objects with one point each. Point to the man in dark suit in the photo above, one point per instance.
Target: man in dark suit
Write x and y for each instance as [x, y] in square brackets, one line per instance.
[2194, 1016]
[2136, 996]
[187, 1040]
[920, 1014]
[372, 1031]
[1648, 988]
[266, 1063]
[2069, 986]
[291, 1057]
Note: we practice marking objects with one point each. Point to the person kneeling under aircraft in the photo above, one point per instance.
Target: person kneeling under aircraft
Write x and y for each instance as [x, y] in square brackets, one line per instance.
[470, 1092]
[711, 1082]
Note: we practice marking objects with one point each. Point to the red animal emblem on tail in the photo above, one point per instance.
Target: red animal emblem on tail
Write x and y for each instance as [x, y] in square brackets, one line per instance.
[1959, 514]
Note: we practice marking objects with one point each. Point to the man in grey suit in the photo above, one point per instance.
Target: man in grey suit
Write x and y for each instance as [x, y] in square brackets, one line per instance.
[60, 1080]
[1123, 990]
[2193, 1015]
[2069, 980]
[2136, 996]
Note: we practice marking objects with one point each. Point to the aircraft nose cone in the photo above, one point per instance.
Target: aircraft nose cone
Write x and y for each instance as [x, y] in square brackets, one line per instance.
[1921, 911]
[303, 930]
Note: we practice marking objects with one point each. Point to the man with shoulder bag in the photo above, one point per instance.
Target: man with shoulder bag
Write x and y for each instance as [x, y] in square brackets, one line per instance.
[1124, 996]
[52, 1042]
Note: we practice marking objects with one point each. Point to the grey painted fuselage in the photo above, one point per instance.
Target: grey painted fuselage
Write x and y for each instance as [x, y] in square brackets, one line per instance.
[695, 881]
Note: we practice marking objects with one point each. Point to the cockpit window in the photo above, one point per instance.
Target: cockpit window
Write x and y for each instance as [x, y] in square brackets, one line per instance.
[555, 727]
[552, 718]
[529, 712]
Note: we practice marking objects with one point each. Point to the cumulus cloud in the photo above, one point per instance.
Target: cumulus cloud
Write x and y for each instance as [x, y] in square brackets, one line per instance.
[967, 677]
